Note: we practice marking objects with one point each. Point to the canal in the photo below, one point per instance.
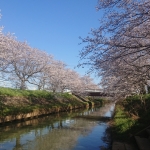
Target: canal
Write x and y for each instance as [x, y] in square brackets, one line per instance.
[62, 131]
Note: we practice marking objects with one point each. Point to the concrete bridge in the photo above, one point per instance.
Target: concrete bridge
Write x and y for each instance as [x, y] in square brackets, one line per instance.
[96, 92]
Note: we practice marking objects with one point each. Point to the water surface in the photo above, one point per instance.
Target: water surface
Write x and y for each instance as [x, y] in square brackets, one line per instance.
[62, 131]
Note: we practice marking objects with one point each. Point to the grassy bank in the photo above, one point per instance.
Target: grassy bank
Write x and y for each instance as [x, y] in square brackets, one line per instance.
[131, 116]
[14, 102]
[98, 101]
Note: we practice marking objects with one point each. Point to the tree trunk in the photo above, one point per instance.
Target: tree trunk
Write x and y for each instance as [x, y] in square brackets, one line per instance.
[23, 85]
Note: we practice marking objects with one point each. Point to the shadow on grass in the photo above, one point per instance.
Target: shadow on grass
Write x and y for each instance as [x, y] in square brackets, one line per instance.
[125, 125]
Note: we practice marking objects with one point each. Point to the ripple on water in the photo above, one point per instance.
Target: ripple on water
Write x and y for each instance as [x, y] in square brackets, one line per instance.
[57, 132]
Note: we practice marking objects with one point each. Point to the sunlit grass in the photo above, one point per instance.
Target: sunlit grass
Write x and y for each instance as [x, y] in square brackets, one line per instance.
[36, 100]
[122, 121]
[25, 93]
[131, 116]
[122, 124]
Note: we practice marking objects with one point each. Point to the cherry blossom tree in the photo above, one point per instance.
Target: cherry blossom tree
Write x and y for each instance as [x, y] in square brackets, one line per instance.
[24, 66]
[55, 74]
[119, 49]
[69, 79]
[25, 62]
[88, 83]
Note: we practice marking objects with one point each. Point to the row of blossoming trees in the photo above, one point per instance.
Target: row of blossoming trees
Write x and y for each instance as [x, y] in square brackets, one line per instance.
[23, 66]
[119, 50]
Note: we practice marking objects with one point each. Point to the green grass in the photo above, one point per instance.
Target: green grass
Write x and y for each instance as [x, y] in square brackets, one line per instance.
[66, 95]
[10, 92]
[122, 123]
[49, 100]
[26, 93]
[98, 101]
[35, 94]
[131, 116]
[36, 99]
[8, 110]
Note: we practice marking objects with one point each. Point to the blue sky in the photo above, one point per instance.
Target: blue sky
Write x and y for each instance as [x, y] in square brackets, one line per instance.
[51, 25]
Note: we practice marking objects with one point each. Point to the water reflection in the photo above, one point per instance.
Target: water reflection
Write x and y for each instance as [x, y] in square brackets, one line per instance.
[57, 132]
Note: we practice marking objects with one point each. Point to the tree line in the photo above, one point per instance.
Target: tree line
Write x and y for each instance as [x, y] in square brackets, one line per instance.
[119, 50]
[23, 66]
